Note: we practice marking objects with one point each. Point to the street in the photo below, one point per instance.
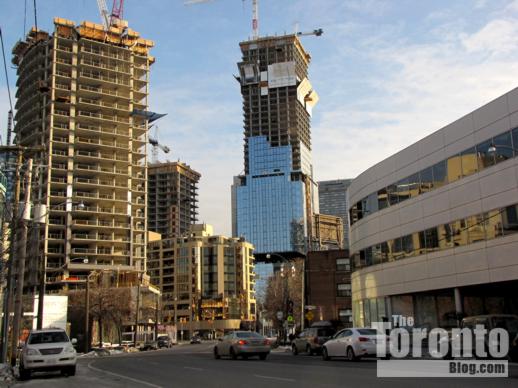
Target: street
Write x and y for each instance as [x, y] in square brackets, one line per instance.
[194, 366]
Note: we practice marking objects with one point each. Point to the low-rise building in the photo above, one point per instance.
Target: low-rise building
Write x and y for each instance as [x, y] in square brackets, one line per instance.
[206, 280]
[328, 287]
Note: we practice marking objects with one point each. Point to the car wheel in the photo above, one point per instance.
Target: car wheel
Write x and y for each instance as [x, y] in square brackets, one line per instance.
[24, 373]
[294, 350]
[325, 356]
[71, 370]
[309, 350]
[263, 356]
[350, 354]
[216, 354]
[233, 354]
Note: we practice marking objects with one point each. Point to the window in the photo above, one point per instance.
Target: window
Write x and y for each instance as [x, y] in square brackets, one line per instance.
[426, 178]
[469, 161]
[440, 174]
[504, 147]
[392, 194]
[382, 198]
[510, 220]
[345, 315]
[485, 159]
[515, 141]
[343, 264]
[343, 289]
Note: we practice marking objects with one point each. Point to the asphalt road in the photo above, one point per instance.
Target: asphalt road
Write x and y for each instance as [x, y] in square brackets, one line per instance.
[193, 366]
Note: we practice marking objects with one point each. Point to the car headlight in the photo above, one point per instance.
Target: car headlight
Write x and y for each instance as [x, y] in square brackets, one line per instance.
[32, 352]
[69, 349]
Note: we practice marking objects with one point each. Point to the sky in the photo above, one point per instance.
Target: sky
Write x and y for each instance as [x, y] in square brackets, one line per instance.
[388, 73]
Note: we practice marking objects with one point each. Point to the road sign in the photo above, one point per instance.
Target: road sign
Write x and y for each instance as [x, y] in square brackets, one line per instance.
[310, 307]
[280, 314]
[310, 315]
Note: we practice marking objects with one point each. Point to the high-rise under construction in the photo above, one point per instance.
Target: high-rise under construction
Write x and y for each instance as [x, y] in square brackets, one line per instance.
[172, 198]
[274, 201]
[83, 95]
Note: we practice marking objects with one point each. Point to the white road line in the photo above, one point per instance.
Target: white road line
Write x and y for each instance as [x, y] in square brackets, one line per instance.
[192, 368]
[275, 378]
[122, 376]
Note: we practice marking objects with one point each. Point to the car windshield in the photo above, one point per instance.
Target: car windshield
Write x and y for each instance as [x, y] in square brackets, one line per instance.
[248, 335]
[48, 337]
[325, 332]
[368, 331]
[508, 323]
[163, 337]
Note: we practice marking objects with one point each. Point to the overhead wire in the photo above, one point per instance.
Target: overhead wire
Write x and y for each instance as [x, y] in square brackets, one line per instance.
[5, 69]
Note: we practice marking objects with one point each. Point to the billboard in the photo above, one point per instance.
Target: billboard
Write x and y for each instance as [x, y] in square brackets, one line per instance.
[54, 311]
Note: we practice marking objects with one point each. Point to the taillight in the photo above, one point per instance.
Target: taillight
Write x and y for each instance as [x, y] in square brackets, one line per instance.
[266, 342]
[363, 339]
[242, 342]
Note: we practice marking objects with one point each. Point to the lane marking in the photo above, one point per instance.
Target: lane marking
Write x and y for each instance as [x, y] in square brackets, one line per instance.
[122, 376]
[192, 368]
[275, 378]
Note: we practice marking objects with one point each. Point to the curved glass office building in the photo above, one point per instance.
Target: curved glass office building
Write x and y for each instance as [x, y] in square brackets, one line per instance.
[434, 228]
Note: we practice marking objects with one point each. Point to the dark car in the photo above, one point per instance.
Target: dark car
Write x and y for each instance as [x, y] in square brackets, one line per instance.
[163, 341]
[196, 339]
[311, 340]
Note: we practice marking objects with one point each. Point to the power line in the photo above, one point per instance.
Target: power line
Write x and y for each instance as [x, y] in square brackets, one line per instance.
[5, 69]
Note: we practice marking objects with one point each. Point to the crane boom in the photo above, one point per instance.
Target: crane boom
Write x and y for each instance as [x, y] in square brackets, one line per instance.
[103, 10]
[316, 32]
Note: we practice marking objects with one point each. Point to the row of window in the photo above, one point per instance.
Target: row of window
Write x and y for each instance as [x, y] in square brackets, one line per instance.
[457, 166]
[484, 226]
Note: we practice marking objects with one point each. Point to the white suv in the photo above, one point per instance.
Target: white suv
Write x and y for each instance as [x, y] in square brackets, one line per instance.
[48, 350]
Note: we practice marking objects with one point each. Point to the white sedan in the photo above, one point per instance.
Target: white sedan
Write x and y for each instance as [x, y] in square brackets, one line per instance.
[354, 343]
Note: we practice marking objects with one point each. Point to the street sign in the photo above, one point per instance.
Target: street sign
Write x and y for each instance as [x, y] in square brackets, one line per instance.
[310, 315]
[279, 315]
[310, 307]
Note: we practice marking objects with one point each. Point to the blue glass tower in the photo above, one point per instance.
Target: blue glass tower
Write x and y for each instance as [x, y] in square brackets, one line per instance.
[274, 200]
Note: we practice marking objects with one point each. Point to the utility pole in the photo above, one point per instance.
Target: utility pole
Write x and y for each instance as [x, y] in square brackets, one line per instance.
[87, 314]
[136, 312]
[8, 297]
[22, 254]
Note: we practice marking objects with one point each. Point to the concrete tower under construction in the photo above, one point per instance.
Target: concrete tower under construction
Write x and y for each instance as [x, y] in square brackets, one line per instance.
[83, 95]
[274, 201]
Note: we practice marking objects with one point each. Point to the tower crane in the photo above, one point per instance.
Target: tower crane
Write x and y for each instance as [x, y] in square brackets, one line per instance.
[255, 14]
[156, 145]
[316, 32]
[110, 19]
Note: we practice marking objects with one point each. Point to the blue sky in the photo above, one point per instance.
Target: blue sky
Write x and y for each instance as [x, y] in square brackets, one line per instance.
[387, 72]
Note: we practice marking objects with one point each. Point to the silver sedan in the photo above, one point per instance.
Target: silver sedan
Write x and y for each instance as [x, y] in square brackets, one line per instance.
[244, 344]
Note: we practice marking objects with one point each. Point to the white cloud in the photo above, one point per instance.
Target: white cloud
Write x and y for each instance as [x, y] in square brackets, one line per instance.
[419, 89]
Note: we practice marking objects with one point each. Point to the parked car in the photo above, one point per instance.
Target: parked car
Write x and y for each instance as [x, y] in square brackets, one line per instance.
[196, 339]
[353, 343]
[311, 340]
[48, 350]
[490, 321]
[163, 341]
[242, 344]
[149, 345]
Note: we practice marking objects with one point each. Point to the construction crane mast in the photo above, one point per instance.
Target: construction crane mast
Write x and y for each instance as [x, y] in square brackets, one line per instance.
[316, 32]
[111, 19]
